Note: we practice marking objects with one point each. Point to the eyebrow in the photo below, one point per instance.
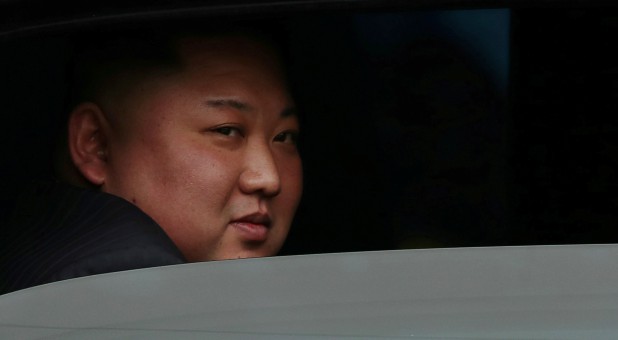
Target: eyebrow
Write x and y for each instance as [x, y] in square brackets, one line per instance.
[233, 103]
[242, 106]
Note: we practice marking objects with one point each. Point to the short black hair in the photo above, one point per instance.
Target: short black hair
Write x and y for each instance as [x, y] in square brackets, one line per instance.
[101, 56]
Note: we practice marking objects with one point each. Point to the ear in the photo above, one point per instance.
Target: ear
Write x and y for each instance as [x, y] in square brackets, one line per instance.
[87, 140]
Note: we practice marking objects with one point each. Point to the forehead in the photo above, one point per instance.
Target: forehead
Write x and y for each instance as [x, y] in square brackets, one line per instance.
[234, 66]
[225, 69]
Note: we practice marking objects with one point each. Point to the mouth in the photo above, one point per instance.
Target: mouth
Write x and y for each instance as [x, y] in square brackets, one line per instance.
[253, 227]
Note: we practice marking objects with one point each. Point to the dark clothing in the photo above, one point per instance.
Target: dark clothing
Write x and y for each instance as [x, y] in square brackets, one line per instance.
[60, 232]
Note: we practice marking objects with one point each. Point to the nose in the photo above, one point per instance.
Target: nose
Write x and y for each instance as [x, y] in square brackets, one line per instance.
[260, 174]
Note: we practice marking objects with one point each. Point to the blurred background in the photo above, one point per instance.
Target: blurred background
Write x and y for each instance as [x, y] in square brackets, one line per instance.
[458, 128]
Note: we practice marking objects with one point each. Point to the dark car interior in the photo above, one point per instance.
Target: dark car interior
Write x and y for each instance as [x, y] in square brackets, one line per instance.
[424, 124]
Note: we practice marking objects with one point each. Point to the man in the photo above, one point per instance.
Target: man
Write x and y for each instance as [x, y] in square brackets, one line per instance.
[202, 140]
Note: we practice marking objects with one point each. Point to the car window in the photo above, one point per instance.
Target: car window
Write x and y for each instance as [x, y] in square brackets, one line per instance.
[421, 127]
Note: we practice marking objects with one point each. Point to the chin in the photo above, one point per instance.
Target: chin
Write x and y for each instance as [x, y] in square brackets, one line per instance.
[239, 254]
[251, 254]
[262, 251]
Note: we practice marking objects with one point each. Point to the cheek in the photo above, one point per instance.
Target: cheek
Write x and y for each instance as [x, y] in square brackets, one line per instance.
[199, 170]
[291, 174]
[173, 172]
[193, 204]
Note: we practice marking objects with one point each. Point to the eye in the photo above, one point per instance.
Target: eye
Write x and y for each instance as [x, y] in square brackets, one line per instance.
[287, 137]
[230, 131]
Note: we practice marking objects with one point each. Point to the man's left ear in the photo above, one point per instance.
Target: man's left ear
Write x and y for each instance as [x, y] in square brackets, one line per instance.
[87, 138]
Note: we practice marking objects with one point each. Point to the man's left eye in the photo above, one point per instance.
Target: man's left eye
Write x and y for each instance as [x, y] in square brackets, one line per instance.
[288, 137]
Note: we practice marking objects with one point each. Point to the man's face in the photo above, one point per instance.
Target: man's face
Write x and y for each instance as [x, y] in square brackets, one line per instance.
[209, 152]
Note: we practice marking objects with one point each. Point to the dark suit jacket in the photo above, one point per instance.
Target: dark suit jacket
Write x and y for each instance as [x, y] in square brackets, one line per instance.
[60, 232]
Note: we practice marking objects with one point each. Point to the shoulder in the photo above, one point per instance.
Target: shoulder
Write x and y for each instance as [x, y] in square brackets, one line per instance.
[60, 232]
